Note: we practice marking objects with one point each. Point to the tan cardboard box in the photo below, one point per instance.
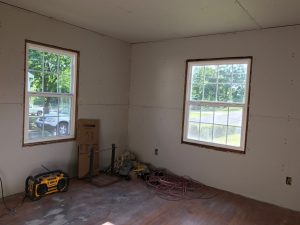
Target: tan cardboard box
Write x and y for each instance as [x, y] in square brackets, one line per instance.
[87, 139]
[88, 131]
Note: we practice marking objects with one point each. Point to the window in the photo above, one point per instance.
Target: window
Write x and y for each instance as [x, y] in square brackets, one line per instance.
[216, 103]
[50, 94]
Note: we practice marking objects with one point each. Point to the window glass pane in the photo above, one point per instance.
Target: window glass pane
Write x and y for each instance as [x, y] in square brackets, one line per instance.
[194, 113]
[64, 117]
[65, 70]
[239, 69]
[35, 81]
[235, 116]
[39, 128]
[239, 73]
[50, 62]
[219, 135]
[36, 106]
[35, 60]
[50, 122]
[50, 82]
[206, 132]
[210, 74]
[46, 124]
[193, 131]
[51, 106]
[210, 92]
[238, 93]
[224, 93]
[65, 64]
[234, 136]
[65, 105]
[36, 112]
[207, 114]
[197, 83]
[225, 74]
[221, 115]
[65, 83]
[33, 131]
[239, 78]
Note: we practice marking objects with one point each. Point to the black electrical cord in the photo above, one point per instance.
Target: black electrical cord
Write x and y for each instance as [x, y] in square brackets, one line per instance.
[10, 210]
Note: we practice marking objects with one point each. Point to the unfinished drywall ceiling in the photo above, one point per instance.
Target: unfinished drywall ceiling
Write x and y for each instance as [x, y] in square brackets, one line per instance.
[144, 20]
[103, 93]
[272, 13]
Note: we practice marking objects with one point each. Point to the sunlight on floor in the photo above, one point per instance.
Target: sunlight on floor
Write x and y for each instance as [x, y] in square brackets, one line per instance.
[108, 223]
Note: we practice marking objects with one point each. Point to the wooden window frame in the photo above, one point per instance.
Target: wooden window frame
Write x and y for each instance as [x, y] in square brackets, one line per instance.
[210, 145]
[75, 90]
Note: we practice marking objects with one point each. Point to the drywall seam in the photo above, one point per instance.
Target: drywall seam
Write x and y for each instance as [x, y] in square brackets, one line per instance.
[248, 13]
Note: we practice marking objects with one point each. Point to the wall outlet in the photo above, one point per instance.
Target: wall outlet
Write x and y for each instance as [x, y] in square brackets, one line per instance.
[288, 180]
[156, 151]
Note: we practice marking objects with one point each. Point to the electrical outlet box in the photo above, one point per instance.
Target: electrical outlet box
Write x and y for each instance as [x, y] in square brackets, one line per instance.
[156, 151]
[288, 180]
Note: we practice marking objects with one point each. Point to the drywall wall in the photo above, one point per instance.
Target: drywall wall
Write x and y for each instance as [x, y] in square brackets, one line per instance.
[103, 92]
[156, 107]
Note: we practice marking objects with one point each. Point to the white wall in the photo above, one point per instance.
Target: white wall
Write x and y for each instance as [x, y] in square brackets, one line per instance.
[156, 106]
[103, 92]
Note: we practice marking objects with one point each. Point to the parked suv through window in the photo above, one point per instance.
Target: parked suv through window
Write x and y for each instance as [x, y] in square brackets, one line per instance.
[58, 125]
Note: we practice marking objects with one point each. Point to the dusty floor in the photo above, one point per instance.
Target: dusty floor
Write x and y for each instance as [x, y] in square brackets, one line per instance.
[131, 202]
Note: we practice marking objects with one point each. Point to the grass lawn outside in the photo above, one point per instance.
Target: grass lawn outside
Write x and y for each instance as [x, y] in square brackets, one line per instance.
[205, 132]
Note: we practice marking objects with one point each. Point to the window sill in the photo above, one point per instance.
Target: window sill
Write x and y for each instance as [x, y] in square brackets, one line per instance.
[48, 142]
[222, 149]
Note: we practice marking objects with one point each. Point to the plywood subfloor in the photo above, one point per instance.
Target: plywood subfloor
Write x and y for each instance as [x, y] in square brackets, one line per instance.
[130, 202]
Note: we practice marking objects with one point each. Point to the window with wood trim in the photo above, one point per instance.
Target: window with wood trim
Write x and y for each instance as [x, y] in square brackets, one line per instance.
[50, 94]
[216, 103]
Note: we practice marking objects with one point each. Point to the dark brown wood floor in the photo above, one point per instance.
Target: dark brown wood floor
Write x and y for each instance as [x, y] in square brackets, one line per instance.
[131, 202]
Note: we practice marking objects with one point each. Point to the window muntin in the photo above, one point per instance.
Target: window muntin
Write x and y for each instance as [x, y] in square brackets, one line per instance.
[50, 94]
[216, 103]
